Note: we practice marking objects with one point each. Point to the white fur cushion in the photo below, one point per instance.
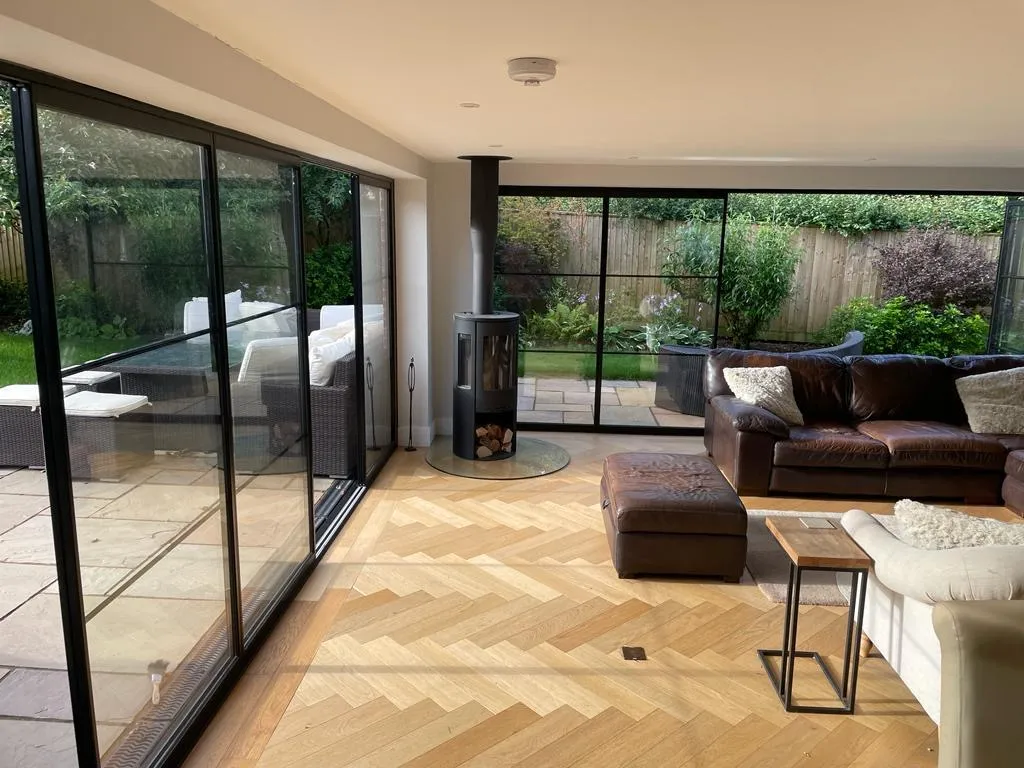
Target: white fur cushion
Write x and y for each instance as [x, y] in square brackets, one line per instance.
[994, 401]
[770, 388]
[927, 527]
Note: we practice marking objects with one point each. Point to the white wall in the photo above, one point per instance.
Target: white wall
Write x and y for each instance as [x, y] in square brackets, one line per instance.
[451, 271]
[413, 284]
[451, 260]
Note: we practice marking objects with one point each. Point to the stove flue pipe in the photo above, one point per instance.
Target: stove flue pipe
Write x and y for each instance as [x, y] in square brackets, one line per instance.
[483, 223]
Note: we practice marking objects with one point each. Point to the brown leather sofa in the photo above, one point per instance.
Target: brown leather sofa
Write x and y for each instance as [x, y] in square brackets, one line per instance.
[876, 425]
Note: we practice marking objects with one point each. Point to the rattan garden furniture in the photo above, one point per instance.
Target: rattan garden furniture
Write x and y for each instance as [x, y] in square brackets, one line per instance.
[108, 434]
[21, 426]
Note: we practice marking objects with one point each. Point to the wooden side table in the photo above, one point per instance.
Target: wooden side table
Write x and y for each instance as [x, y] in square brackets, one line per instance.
[818, 549]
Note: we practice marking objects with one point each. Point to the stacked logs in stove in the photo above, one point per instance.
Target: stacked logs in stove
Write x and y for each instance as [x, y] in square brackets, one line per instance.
[484, 415]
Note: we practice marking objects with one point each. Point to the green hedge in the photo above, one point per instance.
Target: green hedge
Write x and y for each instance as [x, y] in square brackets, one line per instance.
[847, 214]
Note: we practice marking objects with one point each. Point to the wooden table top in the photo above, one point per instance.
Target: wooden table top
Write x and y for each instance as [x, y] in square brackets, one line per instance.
[817, 547]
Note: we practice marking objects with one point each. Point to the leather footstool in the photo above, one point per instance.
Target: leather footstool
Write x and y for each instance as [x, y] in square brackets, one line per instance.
[672, 514]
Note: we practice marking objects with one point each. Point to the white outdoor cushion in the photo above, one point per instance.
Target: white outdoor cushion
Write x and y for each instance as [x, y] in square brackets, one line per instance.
[25, 395]
[994, 401]
[265, 357]
[100, 404]
[929, 527]
[323, 358]
[197, 313]
[335, 314]
[89, 378]
[331, 334]
[770, 388]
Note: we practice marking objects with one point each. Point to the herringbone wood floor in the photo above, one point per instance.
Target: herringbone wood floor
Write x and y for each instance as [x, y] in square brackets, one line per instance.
[458, 622]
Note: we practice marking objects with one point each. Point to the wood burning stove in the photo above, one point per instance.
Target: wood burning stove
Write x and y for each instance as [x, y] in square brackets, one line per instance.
[486, 342]
[484, 415]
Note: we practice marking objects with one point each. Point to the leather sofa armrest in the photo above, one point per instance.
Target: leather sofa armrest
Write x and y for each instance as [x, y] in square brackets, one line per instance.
[982, 652]
[745, 417]
[936, 575]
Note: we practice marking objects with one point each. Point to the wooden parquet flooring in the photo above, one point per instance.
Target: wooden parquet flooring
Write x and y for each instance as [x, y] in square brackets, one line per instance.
[458, 622]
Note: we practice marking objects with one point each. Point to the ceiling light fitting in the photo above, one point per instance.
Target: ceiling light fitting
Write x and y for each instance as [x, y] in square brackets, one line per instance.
[531, 70]
[469, 105]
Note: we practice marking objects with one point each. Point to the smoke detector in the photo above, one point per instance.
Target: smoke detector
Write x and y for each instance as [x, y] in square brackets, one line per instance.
[531, 70]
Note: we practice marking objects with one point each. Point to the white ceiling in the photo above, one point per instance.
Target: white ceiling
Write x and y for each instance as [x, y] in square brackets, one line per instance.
[880, 82]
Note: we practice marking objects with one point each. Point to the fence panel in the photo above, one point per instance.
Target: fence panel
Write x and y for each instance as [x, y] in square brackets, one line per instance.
[833, 269]
[12, 255]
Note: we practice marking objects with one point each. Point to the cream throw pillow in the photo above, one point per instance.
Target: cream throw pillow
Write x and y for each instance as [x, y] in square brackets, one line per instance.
[926, 527]
[770, 388]
[994, 401]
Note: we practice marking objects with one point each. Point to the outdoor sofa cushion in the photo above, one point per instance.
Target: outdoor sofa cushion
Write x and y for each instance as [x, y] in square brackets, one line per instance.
[100, 404]
[25, 395]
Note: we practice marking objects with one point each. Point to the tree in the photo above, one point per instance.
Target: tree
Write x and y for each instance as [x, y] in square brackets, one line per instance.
[758, 267]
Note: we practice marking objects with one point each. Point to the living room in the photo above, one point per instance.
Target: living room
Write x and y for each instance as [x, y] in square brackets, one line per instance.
[350, 603]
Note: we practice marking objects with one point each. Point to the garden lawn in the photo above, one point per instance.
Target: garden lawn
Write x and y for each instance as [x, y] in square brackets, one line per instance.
[18, 362]
[572, 365]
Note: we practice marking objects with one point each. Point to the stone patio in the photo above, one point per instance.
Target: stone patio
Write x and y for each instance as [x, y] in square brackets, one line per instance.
[152, 566]
[571, 401]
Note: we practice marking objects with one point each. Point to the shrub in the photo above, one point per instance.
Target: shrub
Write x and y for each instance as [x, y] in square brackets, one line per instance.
[14, 311]
[937, 268]
[85, 314]
[531, 244]
[561, 323]
[329, 275]
[900, 326]
[757, 272]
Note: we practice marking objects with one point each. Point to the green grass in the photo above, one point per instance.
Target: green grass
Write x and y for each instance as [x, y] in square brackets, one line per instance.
[573, 365]
[18, 362]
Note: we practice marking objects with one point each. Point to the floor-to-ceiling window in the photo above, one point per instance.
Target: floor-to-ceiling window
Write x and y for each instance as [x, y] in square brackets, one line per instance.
[378, 360]
[168, 266]
[616, 295]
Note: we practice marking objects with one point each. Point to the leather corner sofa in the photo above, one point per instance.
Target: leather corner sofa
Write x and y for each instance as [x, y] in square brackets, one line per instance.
[875, 425]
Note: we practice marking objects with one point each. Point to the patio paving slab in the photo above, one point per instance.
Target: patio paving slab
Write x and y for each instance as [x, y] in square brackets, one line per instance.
[628, 415]
[19, 582]
[586, 398]
[679, 420]
[162, 502]
[579, 418]
[636, 396]
[619, 383]
[96, 580]
[33, 636]
[545, 417]
[26, 481]
[549, 396]
[524, 403]
[16, 509]
[39, 744]
[44, 693]
[564, 407]
[564, 385]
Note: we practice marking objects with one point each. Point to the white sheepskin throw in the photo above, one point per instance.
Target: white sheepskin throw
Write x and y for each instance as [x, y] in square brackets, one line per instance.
[926, 527]
[770, 388]
[994, 401]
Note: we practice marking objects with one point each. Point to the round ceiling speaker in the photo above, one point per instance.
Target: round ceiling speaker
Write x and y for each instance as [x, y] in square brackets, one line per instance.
[531, 70]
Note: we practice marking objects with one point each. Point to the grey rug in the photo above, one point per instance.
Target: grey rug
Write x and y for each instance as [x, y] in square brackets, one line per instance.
[768, 565]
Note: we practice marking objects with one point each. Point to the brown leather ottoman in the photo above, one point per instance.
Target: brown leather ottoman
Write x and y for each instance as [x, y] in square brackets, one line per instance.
[672, 514]
[1013, 485]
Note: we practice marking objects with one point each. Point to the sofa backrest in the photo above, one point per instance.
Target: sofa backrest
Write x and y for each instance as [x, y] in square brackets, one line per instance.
[820, 381]
[906, 387]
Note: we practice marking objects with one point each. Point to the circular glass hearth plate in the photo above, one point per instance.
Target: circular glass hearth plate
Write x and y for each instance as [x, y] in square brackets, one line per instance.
[533, 458]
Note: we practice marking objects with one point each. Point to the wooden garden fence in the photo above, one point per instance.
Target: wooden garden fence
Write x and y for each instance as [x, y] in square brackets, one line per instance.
[833, 270]
[12, 255]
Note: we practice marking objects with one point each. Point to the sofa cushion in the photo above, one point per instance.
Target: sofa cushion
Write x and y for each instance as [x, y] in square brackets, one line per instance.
[671, 493]
[971, 365]
[830, 445]
[769, 388]
[26, 395]
[903, 387]
[820, 382]
[994, 402]
[934, 444]
[1015, 465]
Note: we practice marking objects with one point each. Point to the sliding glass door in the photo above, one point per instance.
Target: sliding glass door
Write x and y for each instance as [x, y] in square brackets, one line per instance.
[617, 305]
[1008, 310]
[375, 279]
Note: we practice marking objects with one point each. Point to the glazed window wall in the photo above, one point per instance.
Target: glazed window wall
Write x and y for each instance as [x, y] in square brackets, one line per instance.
[166, 270]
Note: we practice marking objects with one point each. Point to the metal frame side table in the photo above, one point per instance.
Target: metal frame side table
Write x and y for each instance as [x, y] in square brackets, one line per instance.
[818, 549]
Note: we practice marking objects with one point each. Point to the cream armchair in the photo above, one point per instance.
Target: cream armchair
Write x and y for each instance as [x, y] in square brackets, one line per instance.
[906, 583]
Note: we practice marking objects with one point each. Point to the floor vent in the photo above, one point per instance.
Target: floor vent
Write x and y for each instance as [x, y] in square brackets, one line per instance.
[634, 653]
